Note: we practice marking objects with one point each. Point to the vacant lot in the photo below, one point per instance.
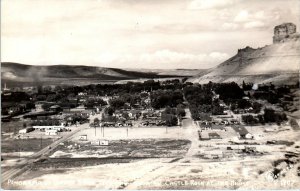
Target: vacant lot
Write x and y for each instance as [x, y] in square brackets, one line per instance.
[11, 127]
[15, 148]
[152, 148]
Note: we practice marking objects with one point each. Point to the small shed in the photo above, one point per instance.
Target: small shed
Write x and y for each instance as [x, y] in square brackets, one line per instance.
[100, 142]
[214, 154]
[104, 142]
[83, 137]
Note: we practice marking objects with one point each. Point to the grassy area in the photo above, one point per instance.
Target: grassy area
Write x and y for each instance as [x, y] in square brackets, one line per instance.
[12, 126]
[23, 145]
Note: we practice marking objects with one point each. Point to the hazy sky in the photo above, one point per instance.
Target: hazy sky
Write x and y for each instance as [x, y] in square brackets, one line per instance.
[138, 33]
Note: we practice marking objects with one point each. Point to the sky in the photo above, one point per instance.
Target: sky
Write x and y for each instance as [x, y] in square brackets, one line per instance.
[153, 34]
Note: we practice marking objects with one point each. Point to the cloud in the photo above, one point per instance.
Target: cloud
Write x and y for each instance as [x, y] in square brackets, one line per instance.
[257, 19]
[246, 16]
[242, 16]
[209, 4]
[224, 14]
[230, 26]
[267, 15]
[254, 24]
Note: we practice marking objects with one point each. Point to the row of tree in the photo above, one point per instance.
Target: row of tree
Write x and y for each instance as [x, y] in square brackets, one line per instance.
[269, 116]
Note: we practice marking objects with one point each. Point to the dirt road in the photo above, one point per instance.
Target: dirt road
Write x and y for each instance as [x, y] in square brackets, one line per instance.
[190, 130]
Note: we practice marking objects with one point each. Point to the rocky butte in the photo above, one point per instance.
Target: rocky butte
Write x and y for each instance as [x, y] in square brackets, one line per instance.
[278, 63]
[285, 32]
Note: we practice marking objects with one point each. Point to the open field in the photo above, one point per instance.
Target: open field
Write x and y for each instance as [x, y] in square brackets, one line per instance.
[24, 145]
[11, 127]
[153, 148]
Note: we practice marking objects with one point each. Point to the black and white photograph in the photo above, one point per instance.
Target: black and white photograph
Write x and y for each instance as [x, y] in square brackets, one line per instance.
[150, 94]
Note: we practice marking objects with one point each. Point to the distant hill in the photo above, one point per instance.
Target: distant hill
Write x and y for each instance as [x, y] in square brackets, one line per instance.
[277, 63]
[15, 74]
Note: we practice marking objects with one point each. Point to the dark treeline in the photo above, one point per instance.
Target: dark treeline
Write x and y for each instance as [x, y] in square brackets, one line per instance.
[204, 100]
[129, 87]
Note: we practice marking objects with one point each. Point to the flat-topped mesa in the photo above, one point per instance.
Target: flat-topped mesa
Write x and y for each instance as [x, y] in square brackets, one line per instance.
[285, 32]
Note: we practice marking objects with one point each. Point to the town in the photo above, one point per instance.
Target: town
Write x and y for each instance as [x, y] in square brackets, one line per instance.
[170, 118]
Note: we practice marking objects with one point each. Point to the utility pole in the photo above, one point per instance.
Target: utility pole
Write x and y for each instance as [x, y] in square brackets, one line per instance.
[41, 142]
[103, 131]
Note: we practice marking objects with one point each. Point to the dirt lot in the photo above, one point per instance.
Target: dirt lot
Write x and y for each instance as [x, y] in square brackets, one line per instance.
[154, 148]
[160, 174]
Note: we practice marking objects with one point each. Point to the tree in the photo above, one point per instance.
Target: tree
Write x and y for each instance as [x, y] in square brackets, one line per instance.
[249, 119]
[41, 97]
[116, 103]
[96, 121]
[51, 97]
[109, 110]
[256, 107]
[57, 88]
[47, 89]
[243, 104]
[163, 98]
[91, 103]
[269, 115]
[217, 109]
[170, 119]
[204, 117]
[30, 105]
[229, 91]
[247, 87]
[180, 111]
